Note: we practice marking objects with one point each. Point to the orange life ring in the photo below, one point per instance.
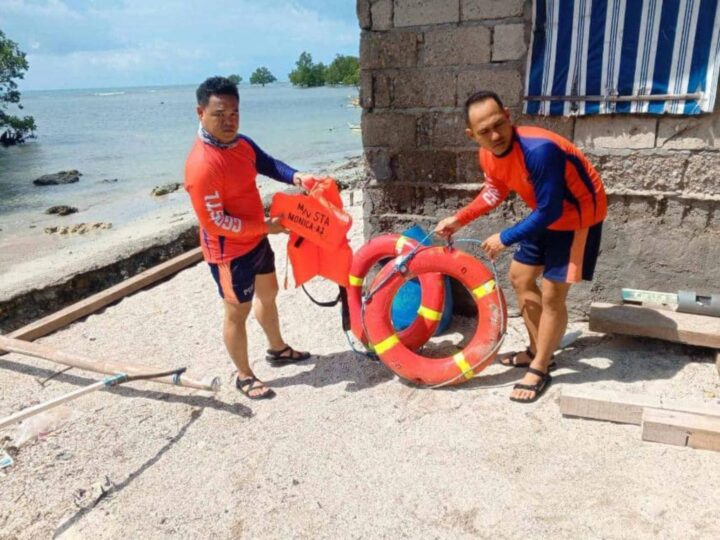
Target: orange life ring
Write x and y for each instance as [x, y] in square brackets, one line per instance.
[431, 285]
[476, 356]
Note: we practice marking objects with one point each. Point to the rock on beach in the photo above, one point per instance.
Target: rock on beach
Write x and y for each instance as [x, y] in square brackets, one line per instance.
[165, 189]
[79, 228]
[61, 210]
[62, 177]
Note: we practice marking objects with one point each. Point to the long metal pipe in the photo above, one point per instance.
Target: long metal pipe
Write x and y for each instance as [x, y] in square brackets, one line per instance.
[655, 97]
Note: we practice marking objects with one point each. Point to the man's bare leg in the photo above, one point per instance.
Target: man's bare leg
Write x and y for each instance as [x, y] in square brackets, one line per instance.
[265, 309]
[553, 323]
[523, 278]
[266, 312]
[235, 336]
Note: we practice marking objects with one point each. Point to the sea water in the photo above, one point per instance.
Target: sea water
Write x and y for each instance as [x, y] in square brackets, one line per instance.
[125, 141]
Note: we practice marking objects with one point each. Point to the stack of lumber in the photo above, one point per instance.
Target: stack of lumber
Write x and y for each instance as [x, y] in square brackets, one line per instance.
[659, 323]
[676, 422]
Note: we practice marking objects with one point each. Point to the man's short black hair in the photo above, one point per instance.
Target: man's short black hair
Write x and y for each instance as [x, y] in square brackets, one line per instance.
[215, 86]
[477, 97]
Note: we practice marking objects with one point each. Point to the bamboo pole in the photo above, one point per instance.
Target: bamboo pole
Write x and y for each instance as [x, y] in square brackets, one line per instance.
[108, 367]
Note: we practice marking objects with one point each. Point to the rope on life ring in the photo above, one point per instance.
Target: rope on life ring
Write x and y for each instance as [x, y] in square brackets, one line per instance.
[491, 312]
[432, 288]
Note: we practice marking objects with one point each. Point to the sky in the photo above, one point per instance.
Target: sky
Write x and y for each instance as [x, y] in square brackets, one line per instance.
[111, 43]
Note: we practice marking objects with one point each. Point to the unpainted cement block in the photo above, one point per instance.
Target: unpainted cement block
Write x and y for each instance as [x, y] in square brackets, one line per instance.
[378, 163]
[562, 125]
[457, 46]
[639, 171]
[419, 12]
[424, 166]
[393, 130]
[388, 50]
[508, 42]
[447, 130]
[428, 87]
[506, 82]
[475, 10]
[703, 174]
[468, 167]
[366, 89]
[363, 13]
[382, 89]
[689, 133]
[382, 14]
[618, 132]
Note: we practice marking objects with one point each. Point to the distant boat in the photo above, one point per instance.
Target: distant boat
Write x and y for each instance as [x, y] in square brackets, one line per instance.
[354, 127]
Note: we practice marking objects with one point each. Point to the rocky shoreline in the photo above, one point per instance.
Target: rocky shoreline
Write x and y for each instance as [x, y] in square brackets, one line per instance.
[24, 304]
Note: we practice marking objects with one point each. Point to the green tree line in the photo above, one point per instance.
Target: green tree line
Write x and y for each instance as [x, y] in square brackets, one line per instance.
[343, 70]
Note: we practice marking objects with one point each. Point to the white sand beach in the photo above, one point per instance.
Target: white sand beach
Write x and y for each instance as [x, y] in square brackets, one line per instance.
[346, 449]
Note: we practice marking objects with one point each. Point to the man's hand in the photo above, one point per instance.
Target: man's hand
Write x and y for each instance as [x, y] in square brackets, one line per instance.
[447, 227]
[305, 181]
[493, 246]
[274, 226]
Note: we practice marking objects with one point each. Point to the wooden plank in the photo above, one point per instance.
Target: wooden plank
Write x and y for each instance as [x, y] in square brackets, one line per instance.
[605, 405]
[64, 317]
[656, 323]
[108, 367]
[626, 408]
[681, 429]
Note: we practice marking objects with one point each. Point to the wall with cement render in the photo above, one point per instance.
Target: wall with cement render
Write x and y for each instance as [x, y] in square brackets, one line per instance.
[421, 59]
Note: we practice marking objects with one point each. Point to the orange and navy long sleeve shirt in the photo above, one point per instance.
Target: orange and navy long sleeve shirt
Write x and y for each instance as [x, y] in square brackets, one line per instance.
[550, 174]
[224, 194]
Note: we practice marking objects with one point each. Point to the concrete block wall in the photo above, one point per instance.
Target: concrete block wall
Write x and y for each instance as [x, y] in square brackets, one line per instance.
[420, 60]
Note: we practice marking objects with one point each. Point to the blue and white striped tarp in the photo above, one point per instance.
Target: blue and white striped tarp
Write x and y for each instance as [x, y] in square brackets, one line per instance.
[612, 48]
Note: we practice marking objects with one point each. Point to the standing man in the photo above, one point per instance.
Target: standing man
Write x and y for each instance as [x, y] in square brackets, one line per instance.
[220, 176]
[559, 240]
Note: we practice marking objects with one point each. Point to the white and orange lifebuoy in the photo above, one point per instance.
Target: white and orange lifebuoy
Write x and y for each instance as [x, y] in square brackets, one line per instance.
[482, 348]
[432, 288]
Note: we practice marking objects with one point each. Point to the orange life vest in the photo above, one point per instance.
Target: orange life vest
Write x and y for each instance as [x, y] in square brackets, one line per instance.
[318, 244]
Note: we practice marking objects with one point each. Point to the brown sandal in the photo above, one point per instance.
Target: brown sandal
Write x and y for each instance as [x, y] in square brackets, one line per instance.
[512, 362]
[288, 355]
[248, 385]
[539, 388]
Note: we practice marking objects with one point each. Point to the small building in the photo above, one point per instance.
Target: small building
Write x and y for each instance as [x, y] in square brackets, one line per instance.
[659, 158]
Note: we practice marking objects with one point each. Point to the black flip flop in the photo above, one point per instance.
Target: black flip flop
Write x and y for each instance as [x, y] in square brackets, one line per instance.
[539, 388]
[248, 385]
[512, 363]
[279, 357]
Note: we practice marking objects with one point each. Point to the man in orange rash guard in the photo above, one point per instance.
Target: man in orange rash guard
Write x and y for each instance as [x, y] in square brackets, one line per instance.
[559, 240]
[220, 175]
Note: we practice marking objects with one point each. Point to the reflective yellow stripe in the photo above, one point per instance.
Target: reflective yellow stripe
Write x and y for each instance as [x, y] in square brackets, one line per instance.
[484, 289]
[356, 281]
[466, 369]
[386, 344]
[429, 314]
[400, 243]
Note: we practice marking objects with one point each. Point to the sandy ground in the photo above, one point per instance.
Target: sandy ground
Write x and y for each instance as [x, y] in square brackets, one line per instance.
[346, 449]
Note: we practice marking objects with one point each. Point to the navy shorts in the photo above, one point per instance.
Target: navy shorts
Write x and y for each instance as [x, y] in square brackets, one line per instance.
[567, 256]
[236, 278]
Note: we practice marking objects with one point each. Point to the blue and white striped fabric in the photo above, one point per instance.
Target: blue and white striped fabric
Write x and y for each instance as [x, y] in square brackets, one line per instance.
[623, 48]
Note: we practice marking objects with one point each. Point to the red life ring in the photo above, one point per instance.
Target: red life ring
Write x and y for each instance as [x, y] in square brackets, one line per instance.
[476, 356]
[431, 285]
